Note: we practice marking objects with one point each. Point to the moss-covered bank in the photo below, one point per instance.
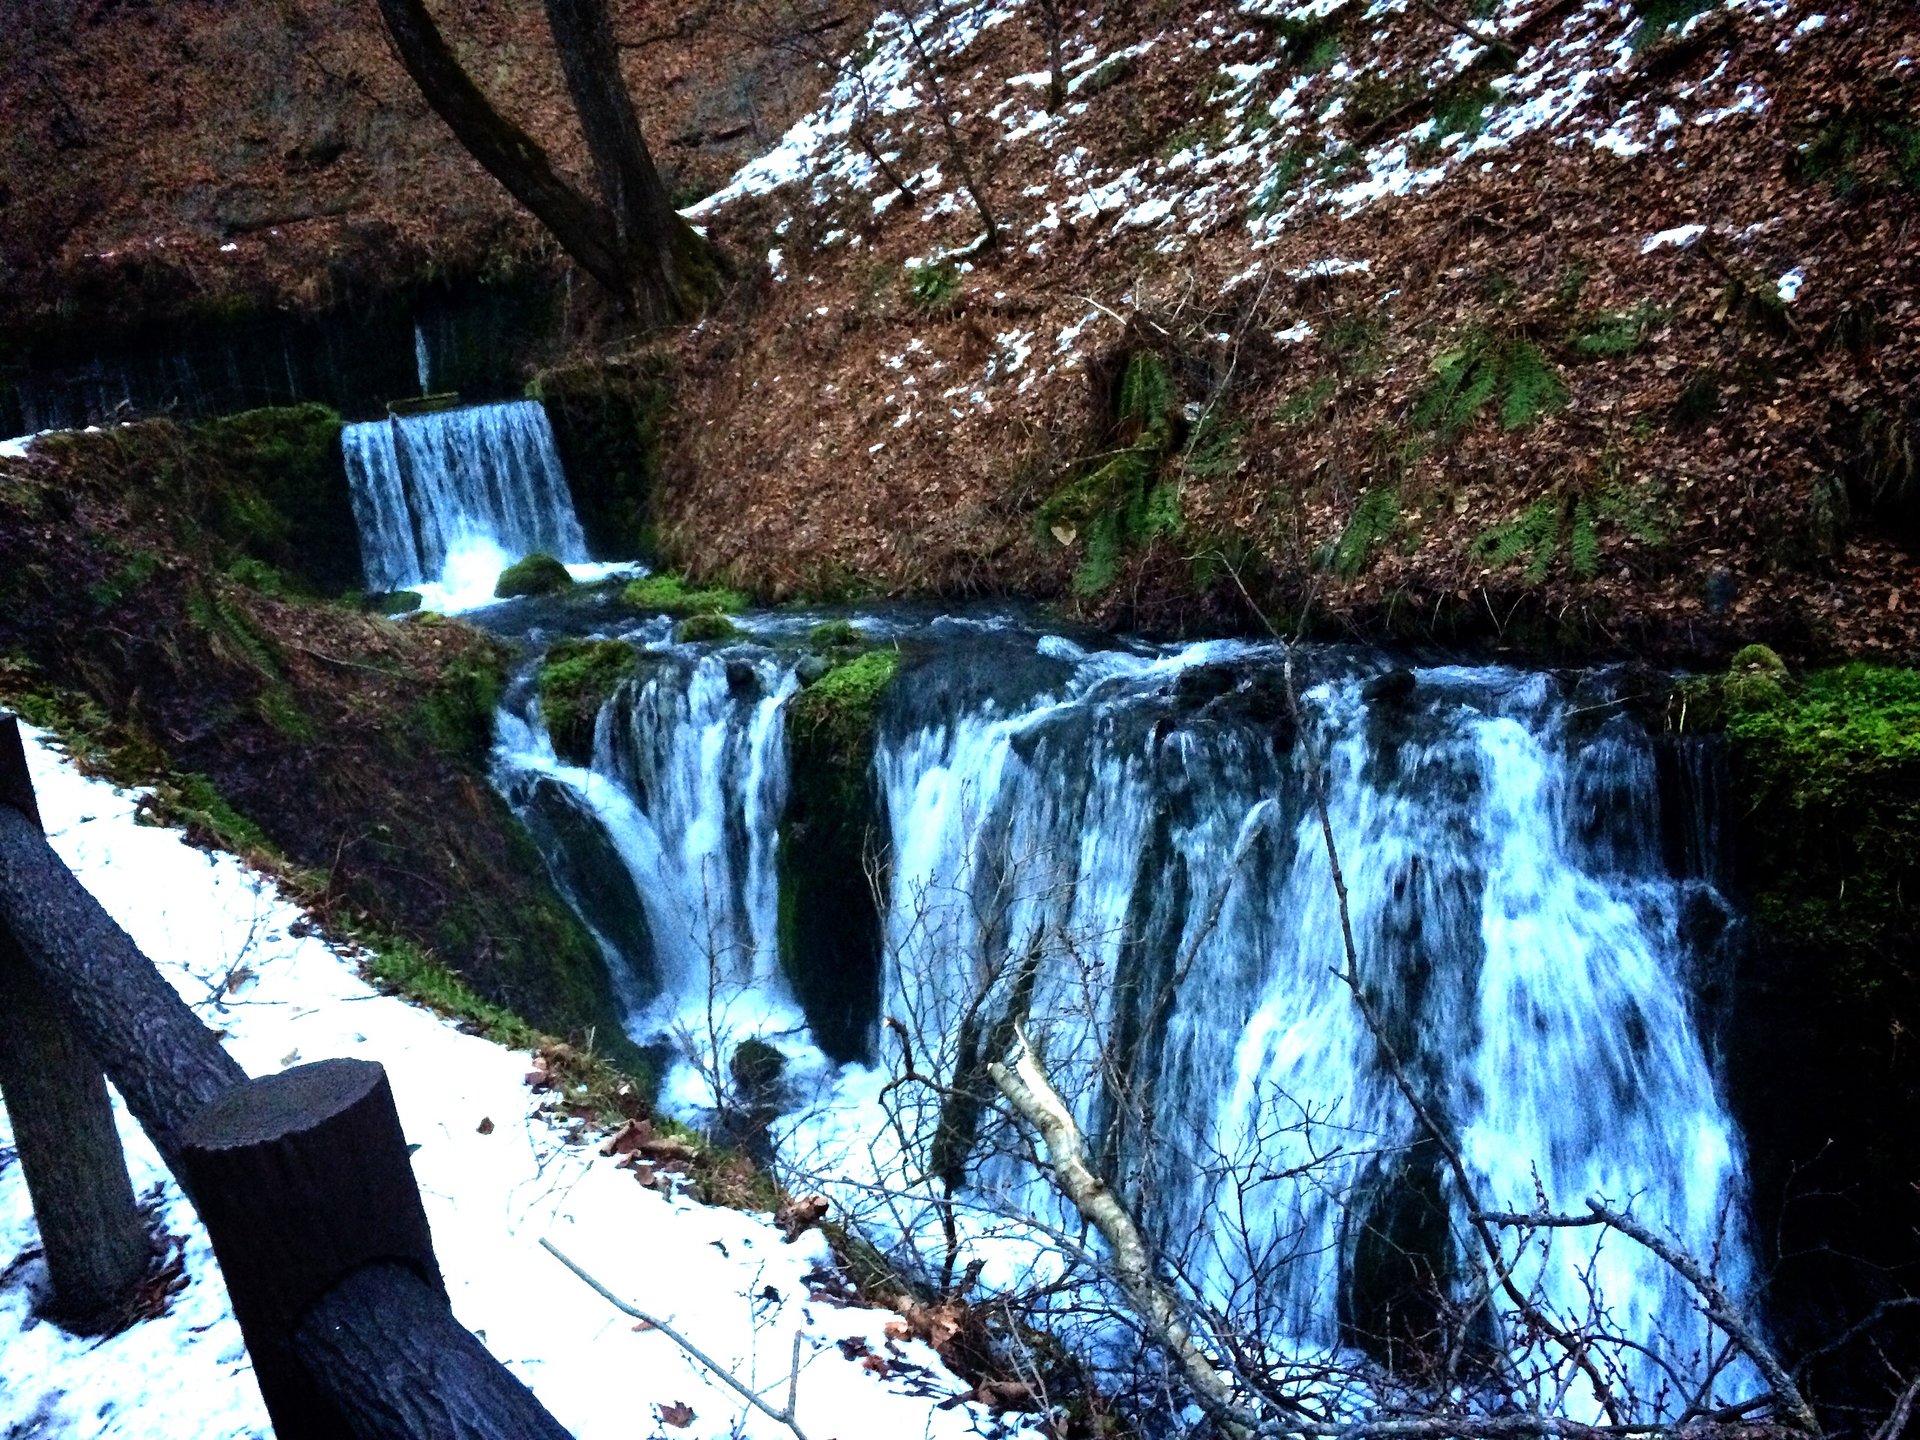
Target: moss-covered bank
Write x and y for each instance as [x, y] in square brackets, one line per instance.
[576, 679]
[153, 608]
[832, 847]
[607, 419]
[1823, 825]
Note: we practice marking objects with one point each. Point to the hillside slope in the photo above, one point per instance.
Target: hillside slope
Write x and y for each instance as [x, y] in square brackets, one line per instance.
[1570, 324]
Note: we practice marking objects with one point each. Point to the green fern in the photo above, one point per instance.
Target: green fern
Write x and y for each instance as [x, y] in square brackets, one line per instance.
[1214, 449]
[1583, 546]
[1534, 534]
[1615, 332]
[233, 635]
[1126, 501]
[1306, 405]
[1533, 389]
[1464, 112]
[1101, 565]
[1374, 520]
[1632, 508]
[934, 287]
[1465, 379]
[1146, 397]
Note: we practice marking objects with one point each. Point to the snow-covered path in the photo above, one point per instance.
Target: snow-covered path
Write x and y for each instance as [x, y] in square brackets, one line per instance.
[726, 1279]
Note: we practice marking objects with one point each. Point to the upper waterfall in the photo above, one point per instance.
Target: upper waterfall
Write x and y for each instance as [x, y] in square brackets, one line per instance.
[450, 498]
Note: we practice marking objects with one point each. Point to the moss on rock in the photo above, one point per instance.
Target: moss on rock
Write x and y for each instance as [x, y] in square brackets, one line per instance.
[284, 498]
[1829, 770]
[576, 679]
[706, 629]
[1824, 834]
[607, 418]
[672, 595]
[834, 635]
[832, 840]
[394, 602]
[538, 574]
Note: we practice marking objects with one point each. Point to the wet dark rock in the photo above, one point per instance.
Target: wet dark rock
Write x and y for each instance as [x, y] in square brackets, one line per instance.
[1389, 689]
[743, 681]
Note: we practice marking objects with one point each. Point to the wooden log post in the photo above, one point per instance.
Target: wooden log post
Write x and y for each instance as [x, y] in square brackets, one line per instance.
[387, 1352]
[91, 1232]
[163, 1061]
[302, 1178]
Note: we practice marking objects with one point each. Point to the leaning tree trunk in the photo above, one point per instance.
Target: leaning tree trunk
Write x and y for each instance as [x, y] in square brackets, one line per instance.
[674, 270]
[635, 244]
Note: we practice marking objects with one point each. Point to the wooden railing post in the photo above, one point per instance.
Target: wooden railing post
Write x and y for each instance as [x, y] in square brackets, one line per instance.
[302, 1178]
[95, 1242]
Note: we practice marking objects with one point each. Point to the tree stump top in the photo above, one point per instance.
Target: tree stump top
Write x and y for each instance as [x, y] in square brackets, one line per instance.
[276, 1106]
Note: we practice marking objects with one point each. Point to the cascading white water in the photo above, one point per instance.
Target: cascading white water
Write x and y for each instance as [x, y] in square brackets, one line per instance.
[450, 498]
[688, 779]
[1122, 848]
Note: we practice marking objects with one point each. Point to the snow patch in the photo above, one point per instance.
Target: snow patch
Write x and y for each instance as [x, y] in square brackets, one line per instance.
[249, 964]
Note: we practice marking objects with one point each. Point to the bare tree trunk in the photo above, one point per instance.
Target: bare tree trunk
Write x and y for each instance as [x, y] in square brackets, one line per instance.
[508, 153]
[635, 244]
[673, 271]
[1053, 26]
[1031, 1093]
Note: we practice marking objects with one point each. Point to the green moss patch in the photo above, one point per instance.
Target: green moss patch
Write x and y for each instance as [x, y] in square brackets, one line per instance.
[276, 489]
[576, 679]
[834, 635]
[673, 595]
[1831, 778]
[538, 574]
[1123, 499]
[706, 629]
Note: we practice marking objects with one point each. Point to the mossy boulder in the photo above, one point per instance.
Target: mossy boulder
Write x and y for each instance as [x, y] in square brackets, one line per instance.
[1829, 771]
[1823, 824]
[834, 635]
[706, 630]
[538, 574]
[672, 595]
[832, 840]
[275, 487]
[1755, 680]
[576, 679]
[394, 602]
[756, 1068]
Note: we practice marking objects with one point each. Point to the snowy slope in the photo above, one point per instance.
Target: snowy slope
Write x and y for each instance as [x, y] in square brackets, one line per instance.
[726, 1279]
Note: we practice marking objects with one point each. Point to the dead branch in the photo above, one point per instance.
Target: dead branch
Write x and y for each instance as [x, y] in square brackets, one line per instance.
[1029, 1091]
[720, 1372]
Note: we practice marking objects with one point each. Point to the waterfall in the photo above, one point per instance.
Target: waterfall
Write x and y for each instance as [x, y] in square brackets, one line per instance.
[688, 779]
[1120, 848]
[422, 361]
[452, 497]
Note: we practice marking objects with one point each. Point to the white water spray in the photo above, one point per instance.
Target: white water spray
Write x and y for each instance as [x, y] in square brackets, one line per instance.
[445, 501]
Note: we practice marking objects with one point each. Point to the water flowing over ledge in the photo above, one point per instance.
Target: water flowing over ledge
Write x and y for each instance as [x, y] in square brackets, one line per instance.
[445, 501]
[1118, 847]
